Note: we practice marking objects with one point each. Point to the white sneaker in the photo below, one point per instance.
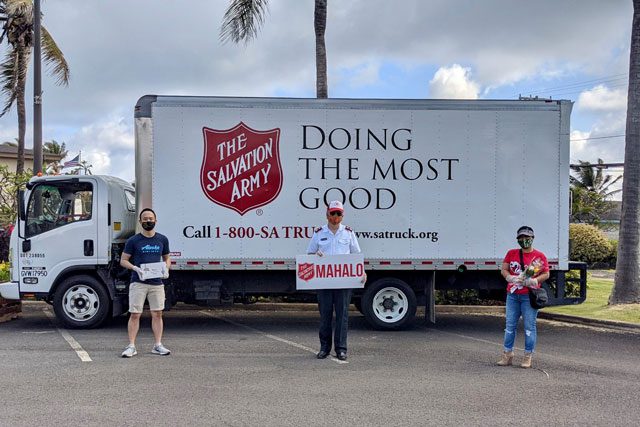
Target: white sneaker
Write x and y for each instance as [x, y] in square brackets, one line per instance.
[161, 350]
[129, 351]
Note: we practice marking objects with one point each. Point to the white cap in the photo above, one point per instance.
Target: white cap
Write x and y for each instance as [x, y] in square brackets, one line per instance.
[336, 206]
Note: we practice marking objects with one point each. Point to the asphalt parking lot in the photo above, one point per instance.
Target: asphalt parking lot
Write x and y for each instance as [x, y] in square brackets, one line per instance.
[241, 368]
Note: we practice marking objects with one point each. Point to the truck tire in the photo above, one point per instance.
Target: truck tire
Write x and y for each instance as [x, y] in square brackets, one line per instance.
[389, 304]
[81, 302]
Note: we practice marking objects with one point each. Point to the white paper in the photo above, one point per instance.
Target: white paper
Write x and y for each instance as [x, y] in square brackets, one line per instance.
[153, 270]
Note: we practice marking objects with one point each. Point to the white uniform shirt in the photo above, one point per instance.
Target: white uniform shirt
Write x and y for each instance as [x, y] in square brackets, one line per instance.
[344, 241]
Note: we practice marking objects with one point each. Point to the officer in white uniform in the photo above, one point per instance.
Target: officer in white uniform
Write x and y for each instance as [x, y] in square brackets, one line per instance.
[334, 239]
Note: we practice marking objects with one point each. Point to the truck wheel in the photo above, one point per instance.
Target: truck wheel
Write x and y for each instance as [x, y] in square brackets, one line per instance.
[389, 304]
[81, 302]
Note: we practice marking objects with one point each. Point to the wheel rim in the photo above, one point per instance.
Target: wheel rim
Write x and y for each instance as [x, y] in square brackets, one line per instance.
[390, 305]
[80, 303]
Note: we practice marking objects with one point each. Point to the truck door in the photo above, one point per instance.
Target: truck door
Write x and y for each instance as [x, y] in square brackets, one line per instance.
[60, 232]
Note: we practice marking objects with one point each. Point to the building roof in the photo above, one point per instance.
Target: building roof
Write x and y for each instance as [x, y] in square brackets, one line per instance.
[11, 152]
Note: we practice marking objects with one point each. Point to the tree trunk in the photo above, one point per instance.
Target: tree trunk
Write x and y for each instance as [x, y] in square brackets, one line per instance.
[320, 25]
[22, 113]
[626, 289]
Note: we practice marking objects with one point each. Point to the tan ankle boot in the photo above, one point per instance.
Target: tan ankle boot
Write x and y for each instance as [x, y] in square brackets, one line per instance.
[527, 361]
[506, 359]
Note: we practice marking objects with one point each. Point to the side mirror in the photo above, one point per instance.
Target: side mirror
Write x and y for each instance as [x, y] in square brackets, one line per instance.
[22, 215]
[26, 245]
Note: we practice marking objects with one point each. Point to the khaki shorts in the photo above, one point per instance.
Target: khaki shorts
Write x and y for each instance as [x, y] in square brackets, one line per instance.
[138, 292]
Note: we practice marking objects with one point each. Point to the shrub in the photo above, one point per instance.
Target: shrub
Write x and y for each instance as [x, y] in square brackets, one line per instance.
[588, 244]
[613, 254]
[4, 272]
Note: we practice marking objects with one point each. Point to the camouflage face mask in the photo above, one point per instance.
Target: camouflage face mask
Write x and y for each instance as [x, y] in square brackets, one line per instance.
[525, 243]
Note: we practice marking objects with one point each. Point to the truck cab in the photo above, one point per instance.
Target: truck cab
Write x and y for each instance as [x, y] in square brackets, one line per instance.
[66, 244]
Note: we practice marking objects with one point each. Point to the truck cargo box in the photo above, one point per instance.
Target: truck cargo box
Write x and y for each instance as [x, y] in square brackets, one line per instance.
[427, 184]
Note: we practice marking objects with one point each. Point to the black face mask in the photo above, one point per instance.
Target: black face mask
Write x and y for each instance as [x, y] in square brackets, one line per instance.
[148, 225]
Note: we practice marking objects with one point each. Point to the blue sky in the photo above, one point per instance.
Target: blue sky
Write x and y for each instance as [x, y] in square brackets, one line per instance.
[120, 50]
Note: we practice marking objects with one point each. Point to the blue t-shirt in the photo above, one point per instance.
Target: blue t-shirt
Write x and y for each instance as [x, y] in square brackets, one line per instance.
[144, 250]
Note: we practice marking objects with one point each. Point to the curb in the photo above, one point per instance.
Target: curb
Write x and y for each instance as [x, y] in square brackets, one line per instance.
[612, 324]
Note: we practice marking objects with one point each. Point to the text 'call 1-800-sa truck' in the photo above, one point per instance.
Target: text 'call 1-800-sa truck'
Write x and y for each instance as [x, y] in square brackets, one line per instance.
[434, 190]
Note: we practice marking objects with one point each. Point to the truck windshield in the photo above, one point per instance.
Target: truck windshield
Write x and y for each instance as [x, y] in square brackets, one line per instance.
[55, 205]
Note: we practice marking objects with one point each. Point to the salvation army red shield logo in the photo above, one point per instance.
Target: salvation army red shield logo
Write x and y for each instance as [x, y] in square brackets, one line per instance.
[241, 167]
[306, 271]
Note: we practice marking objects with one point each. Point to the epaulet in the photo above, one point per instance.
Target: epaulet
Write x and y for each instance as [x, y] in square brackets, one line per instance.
[348, 228]
[317, 230]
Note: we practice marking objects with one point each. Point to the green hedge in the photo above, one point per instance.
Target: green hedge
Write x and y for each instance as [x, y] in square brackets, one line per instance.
[590, 245]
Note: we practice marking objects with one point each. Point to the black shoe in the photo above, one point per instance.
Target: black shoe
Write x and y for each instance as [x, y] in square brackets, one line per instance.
[342, 355]
[322, 354]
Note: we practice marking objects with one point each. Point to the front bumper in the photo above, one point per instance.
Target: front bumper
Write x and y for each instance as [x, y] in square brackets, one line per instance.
[9, 290]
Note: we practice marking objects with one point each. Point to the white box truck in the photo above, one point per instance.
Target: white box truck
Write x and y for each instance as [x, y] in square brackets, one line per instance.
[434, 189]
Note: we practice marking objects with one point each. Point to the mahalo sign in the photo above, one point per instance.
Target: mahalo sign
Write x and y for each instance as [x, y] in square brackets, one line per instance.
[329, 271]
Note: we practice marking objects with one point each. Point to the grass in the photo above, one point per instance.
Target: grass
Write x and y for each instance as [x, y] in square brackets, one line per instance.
[596, 306]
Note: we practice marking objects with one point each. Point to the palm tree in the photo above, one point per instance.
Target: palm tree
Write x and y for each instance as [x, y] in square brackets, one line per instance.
[53, 147]
[591, 178]
[17, 28]
[243, 19]
[590, 190]
[626, 288]
[83, 167]
[86, 167]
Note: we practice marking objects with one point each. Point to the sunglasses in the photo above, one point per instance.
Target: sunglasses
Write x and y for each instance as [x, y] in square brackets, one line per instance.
[335, 213]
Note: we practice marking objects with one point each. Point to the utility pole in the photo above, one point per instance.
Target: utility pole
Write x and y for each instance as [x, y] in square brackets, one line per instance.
[37, 91]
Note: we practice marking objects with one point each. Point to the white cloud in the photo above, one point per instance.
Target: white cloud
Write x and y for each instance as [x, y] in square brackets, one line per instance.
[602, 99]
[453, 83]
[113, 133]
[106, 145]
[506, 41]
[579, 140]
[125, 52]
[602, 141]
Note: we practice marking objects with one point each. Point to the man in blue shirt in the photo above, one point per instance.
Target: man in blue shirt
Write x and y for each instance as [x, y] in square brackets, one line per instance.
[145, 248]
[334, 239]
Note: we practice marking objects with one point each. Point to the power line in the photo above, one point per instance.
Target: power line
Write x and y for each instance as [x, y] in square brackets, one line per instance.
[585, 82]
[558, 94]
[605, 79]
[619, 82]
[598, 137]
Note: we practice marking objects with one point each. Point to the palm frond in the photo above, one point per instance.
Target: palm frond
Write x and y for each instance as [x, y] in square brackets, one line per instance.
[575, 182]
[243, 20]
[54, 58]
[18, 7]
[54, 147]
[591, 177]
[9, 79]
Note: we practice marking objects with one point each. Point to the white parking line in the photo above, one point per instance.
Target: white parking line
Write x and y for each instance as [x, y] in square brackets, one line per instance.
[469, 338]
[270, 336]
[83, 355]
